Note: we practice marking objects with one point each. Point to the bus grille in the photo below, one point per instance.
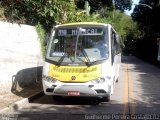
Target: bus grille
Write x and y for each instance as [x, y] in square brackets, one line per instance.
[75, 70]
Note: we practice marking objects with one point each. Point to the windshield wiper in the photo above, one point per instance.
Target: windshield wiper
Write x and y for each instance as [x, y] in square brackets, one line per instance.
[88, 63]
[61, 60]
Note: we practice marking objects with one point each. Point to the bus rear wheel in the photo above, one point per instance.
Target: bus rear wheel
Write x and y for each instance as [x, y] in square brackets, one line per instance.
[117, 80]
[95, 102]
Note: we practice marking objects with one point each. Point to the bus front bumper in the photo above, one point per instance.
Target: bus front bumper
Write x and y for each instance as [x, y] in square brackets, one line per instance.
[77, 89]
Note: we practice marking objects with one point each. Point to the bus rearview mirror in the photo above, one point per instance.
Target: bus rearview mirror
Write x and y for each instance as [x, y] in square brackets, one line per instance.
[56, 40]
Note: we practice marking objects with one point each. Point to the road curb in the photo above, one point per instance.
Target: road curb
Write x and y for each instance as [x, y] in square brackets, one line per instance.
[19, 103]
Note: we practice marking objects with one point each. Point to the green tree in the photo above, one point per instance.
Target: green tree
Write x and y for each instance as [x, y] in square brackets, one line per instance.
[46, 12]
[123, 5]
[148, 22]
[98, 4]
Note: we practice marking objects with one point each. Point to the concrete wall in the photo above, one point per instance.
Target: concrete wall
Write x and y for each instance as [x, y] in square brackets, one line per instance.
[20, 56]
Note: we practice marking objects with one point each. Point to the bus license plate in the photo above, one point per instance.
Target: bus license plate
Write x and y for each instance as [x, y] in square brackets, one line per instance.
[74, 93]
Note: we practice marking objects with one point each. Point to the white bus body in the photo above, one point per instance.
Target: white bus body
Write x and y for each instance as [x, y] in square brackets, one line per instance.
[82, 59]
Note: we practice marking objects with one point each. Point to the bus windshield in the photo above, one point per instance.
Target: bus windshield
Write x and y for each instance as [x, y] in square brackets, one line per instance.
[70, 45]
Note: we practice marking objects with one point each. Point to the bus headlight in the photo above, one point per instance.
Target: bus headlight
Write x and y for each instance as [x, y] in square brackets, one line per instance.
[98, 80]
[48, 79]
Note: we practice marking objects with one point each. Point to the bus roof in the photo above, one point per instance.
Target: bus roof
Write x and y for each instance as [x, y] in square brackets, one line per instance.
[83, 23]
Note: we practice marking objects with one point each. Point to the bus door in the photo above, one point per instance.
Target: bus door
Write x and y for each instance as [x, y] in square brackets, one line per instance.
[115, 58]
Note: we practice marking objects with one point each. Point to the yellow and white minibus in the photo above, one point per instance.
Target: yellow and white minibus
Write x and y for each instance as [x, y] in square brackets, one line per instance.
[82, 59]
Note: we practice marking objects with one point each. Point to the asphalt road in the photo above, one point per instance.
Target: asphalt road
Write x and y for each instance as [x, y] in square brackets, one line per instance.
[136, 96]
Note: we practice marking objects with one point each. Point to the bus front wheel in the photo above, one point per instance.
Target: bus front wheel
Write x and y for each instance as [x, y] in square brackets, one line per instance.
[106, 99]
[56, 98]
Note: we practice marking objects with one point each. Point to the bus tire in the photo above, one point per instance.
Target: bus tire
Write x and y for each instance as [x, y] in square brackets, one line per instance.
[56, 98]
[117, 80]
[95, 102]
[106, 99]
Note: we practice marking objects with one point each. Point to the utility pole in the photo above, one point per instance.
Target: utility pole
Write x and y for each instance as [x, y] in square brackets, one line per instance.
[87, 7]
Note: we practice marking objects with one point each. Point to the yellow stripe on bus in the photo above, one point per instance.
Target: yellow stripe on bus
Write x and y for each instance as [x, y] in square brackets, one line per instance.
[80, 73]
[82, 23]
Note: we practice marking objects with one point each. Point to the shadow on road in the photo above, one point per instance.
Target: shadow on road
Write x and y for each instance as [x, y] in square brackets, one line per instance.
[50, 100]
[146, 80]
[27, 81]
[70, 106]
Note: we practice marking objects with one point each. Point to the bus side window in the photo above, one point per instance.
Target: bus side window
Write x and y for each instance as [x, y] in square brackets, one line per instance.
[112, 46]
[118, 47]
[115, 45]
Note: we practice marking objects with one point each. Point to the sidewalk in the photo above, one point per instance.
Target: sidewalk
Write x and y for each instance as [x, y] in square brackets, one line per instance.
[9, 98]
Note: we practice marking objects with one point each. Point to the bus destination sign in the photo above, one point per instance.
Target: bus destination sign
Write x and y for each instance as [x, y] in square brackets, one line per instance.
[86, 31]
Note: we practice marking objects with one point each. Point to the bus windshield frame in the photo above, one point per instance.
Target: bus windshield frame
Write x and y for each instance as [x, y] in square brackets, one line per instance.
[78, 45]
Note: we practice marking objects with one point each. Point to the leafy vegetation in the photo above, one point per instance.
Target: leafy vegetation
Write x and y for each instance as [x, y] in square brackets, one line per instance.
[41, 33]
[45, 12]
[123, 4]
[148, 22]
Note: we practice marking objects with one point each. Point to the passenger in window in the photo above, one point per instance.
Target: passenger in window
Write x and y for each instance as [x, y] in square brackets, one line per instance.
[102, 47]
